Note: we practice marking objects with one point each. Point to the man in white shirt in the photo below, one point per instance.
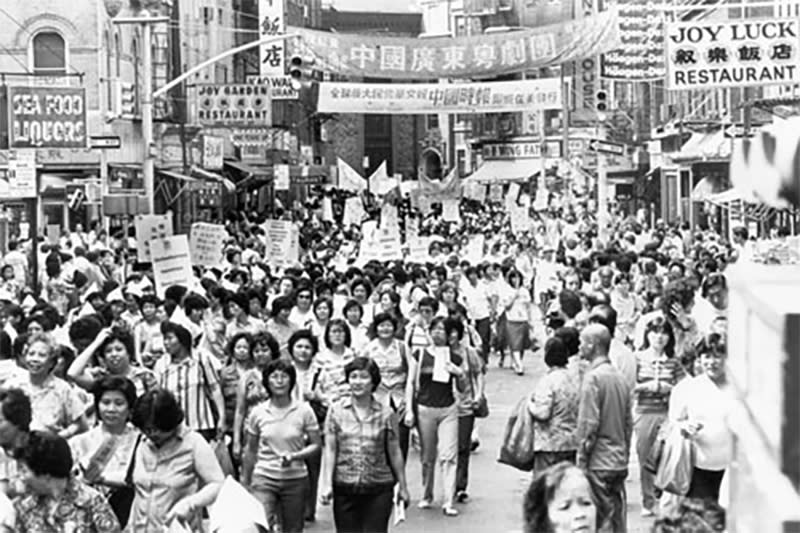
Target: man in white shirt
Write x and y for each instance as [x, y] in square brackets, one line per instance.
[476, 298]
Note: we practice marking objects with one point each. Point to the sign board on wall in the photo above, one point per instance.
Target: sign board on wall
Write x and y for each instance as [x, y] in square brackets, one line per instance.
[271, 21]
[705, 53]
[22, 174]
[46, 117]
[641, 29]
[213, 152]
[520, 150]
[280, 86]
[233, 105]
[418, 98]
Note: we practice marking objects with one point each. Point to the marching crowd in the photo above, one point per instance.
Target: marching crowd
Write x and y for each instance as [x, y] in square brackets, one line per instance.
[124, 409]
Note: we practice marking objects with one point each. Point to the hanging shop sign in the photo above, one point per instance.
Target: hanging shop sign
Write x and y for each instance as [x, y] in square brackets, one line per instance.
[271, 21]
[745, 52]
[428, 98]
[521, 150]
[280, 86]
[233, 105]
[641, 55]
[213, 152]
[21, 174]
[46, 117]
[457, 57]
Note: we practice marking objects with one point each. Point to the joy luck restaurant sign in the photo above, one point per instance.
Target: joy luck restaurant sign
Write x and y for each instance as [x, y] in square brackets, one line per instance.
[706, 54]
[46, 117]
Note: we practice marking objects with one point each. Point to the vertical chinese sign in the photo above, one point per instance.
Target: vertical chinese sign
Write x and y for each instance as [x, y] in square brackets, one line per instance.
[272, 57]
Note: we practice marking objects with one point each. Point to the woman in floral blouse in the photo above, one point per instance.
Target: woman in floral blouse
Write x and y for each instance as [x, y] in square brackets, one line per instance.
[554, 406]
[55, 500]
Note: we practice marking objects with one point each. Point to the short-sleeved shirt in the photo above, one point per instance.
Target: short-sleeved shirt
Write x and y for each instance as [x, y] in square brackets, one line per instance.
[432, 393]
[87, 447]
[280, 431]
[362, 460]
[192, 383]
[164, 476]
[55, 404]
[394, 371]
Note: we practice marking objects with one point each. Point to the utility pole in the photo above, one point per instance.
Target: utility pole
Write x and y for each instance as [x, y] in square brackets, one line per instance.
[565, 136]
[148, 166]
[602, 187]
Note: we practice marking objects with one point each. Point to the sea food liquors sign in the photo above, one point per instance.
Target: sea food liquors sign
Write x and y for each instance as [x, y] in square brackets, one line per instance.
[47, 117]
[706, 54]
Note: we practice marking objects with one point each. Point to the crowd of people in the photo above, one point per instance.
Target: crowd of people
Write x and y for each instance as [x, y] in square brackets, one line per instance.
[124, 409]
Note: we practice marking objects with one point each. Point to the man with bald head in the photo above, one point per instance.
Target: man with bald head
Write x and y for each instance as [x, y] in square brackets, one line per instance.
[605, 425]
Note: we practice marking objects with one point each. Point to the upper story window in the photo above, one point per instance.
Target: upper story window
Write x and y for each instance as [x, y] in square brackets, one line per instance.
[49, 54]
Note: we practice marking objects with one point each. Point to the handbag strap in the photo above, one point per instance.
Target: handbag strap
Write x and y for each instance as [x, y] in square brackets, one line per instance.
[132, 464]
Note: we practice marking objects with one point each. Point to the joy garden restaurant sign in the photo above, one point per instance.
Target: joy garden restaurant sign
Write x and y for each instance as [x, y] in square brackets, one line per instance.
[457, 57]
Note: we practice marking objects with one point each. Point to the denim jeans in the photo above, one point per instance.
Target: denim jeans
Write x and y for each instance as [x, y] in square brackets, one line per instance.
[284, 501]
[438, 435]
[362, 513]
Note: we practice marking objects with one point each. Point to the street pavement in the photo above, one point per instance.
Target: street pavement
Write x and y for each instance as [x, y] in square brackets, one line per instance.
[495, 490]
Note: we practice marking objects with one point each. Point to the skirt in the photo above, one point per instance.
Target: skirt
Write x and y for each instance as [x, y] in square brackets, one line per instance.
[517, 336]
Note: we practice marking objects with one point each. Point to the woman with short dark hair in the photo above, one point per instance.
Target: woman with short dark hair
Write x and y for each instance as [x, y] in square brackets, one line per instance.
[104, 454]
[176, 473]
[280, 326]
[46, 467]
[281, 433]
[362, 451]
[554, 407]
[559, 500]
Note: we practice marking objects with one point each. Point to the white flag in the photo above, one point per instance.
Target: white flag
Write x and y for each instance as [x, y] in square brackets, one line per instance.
[349, 179]
[380, 182]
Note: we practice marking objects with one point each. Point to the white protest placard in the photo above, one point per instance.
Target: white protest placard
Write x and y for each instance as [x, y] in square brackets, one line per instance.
[512, 194]
[541, 201]
[496, 192]
[282, 177]
[283, 243]
[389, 218]
[475, 191]
[172, 262]
[327, 209]
[475, 249]
[450, 211]
[353, 211]
[711, 53]
[206, 242]
[417, 246]
[520, 221]
[149, 227]
[441, 356]
[369, 249]
[349, 179]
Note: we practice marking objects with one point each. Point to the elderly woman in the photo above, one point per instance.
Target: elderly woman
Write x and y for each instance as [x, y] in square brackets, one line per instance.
[175, 473]
[56, 405]
[114, 351]
[56, 501]
[104, 454]
[559, 500]
[282, 433]
[554, 407]
[362, 450]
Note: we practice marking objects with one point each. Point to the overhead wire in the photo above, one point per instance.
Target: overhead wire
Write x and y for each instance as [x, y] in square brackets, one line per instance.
[46, 46]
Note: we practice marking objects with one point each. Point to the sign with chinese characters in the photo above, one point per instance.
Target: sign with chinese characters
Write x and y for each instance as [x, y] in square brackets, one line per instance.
[271, 21]
[213, 152]
[520, 150]
[706, 54]
[280, 86]
[46, 117]
[429, 98]
[457, 57]
[148, 228]
[641, 30]
[233, 105]
[206, 242]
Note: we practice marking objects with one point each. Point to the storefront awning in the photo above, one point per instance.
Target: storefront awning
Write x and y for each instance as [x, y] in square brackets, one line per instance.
[177, 176]
[504, 170]
[704, 189]
[212, 176]
[249, 170]
[712, 146]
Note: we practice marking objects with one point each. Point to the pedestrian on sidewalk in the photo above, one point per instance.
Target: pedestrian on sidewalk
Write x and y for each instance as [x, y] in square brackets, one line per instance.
[605, 426]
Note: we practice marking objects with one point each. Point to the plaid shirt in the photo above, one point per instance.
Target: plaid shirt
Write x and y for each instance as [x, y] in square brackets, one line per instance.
[192, 384]
[362, 460]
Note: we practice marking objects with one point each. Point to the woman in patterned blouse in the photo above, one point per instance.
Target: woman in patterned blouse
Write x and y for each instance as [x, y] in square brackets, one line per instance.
[554, 406]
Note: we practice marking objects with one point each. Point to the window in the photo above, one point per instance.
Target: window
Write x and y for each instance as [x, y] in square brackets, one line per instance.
[117, 55]
[109, 92]
[137, 86]
[49, 54]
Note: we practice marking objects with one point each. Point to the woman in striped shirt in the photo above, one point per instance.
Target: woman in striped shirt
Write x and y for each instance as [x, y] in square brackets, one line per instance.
[657, 372]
